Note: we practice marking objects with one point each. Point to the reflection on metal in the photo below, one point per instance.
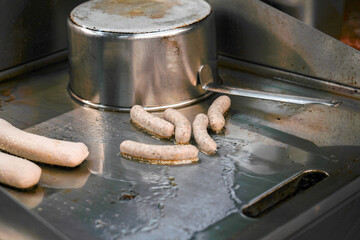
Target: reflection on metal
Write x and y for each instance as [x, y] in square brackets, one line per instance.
[253, 31]
[127, 109]
[63, 178]
[325, 15]
[16, 222]
[30, 198]
[296, 184]
[208, 84]
[96, 158]
[31, 30]
[32, 65]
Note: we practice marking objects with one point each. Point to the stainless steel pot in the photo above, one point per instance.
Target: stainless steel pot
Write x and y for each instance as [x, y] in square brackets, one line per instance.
[127, 52]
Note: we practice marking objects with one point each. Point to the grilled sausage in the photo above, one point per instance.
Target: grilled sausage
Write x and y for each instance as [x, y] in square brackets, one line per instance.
[216, 113]
[150, 123]
[18, 172]
[205, 143]
[159, 154]
[182, 125]
[39, 148]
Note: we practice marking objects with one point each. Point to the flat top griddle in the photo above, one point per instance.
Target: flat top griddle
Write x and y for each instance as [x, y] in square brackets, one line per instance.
[265, 145]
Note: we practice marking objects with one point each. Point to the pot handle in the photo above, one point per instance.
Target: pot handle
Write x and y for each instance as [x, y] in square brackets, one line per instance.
[208, 84]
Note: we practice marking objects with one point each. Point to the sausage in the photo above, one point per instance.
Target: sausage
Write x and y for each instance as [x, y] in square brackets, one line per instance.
[216, 113]
[150, 123]
[182, 125]
[18, 172]
[159, 154]
[205, 143]
[39, 148]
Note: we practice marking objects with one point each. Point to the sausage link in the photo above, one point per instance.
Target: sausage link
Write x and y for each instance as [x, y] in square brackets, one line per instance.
[182, 125]
[159, 154]
[216, 113]
[18, 172]
[150, 123]
[205, 143]
[39, 148]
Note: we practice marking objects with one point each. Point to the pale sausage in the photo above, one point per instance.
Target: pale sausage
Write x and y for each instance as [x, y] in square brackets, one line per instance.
[39, 148]
[205, 143]
[150, 123]
[18, 172]
[216, 113]
[182, 125]
[159, 154]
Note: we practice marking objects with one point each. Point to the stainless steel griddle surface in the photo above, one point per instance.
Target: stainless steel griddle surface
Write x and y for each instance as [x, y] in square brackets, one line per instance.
[109, 197]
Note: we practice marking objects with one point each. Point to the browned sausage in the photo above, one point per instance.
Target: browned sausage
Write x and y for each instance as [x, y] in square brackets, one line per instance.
[159, 154]
[205, 143]
[41, 149]
[150, 123]
[216, 113]
[18, 172]
[182, 125]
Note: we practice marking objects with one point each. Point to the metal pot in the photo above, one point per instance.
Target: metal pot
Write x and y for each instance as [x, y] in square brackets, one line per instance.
[127, 52]
[151, 53]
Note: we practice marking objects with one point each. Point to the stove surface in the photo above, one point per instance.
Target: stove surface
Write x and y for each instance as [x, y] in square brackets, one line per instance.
[265, 144]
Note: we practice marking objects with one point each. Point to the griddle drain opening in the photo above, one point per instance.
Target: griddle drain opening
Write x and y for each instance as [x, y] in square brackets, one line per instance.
[269, 200]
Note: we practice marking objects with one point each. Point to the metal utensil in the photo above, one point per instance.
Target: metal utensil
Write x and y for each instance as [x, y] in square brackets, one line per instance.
[207, 83]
